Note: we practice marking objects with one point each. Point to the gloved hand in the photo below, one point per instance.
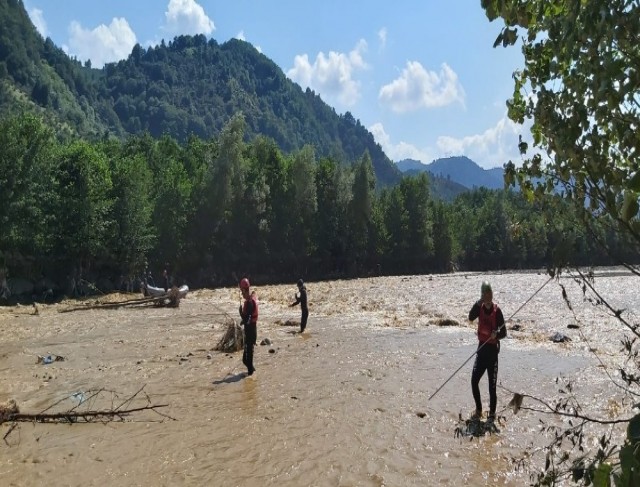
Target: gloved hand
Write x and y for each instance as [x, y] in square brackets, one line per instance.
[494, 334]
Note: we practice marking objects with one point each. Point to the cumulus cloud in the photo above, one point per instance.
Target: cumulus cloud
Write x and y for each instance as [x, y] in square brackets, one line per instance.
[398, 151]
[382, 36]
[491, 148]
[331, 74]
[418, 88]
[187, 17]
[104, 44]
[37, 17]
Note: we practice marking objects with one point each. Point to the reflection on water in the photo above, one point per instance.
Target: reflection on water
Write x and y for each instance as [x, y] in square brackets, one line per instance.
[345, 403]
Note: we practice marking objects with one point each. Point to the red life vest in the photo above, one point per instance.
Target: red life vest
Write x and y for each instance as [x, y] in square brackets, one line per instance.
[487, 324]
[254, 315]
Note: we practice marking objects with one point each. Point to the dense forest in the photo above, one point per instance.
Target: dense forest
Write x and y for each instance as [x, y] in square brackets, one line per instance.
[188, 86]
[207, 157]
[214, 209]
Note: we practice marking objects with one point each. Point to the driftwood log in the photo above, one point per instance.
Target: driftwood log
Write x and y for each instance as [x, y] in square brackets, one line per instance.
[171, 299]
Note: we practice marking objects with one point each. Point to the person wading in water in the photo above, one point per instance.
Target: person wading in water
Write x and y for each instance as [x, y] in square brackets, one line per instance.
[249, 315]
[490, 330]
[301, 299]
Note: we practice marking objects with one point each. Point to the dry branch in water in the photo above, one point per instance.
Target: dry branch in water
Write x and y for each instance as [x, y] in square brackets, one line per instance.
[83, 410]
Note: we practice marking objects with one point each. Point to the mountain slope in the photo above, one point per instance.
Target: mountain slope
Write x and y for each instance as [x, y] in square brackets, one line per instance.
[189, 86]
[461, 170]
[443, 188]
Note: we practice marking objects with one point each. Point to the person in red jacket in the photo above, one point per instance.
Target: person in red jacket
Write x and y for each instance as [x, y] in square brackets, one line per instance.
[249, 315]
[490, 330]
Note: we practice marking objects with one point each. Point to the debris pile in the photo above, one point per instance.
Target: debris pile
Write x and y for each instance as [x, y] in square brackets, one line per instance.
[233, 338]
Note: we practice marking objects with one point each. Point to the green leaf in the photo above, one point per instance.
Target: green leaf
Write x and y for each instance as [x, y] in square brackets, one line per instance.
[629, 471]
[633, 429]
[602, 475]
[510, 36]
[634, 182]
[629, 206]
[490, 9]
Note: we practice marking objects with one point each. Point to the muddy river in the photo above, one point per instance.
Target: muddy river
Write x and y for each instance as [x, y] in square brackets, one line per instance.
[344, 404]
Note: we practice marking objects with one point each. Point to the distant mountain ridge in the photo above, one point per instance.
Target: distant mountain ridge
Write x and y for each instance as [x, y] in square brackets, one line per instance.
[459, 169]
[190, 85]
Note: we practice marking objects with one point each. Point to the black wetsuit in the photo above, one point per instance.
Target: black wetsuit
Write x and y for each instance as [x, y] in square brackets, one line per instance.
[487, 360]
[250, 334]
[166, 279]
[301, 299]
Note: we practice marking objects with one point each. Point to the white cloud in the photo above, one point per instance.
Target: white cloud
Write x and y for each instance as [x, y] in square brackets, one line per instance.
[332, 74]
[382, 36]
[491, 148]
[37, 17]
[401, 150]
[104, 44]
[418, 88]
[187, 17]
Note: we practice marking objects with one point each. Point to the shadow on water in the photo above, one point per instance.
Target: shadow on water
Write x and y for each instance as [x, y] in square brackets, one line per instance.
[230, 379]
[475, 428]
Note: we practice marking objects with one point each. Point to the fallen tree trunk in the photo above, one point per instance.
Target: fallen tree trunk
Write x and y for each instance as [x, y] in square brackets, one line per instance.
[171, 299]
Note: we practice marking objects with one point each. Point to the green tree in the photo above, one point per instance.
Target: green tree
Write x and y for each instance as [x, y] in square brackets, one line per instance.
[277, 220]
[442, 238]
[83, 189]
[304, 205]
[396, 222]
[415, 194]
[133, 235]
[361, 211]
[171, 213]
[333, 193]
[25, 185]
[580, 89]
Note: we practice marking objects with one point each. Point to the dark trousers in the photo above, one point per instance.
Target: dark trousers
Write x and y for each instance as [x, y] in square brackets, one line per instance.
[303, 319]
[486, 360]
[250, 337]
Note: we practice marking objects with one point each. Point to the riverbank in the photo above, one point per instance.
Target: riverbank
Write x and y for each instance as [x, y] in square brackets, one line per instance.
[344, 404]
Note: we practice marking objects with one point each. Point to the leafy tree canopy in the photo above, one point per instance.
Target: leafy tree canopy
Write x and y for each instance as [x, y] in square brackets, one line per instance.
[580, 88]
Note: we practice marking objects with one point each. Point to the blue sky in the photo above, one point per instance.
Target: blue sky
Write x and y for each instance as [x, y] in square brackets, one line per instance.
[422, 75]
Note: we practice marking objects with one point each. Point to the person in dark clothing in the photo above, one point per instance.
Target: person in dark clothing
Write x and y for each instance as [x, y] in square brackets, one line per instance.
[166, 277]
[249, 315]
[301, 299]
[490, 330]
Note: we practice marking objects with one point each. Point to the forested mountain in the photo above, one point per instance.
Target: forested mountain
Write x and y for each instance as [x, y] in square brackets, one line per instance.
[461, 170]
[407, 165]
[106, 181]
[190, 85]
[442, 188]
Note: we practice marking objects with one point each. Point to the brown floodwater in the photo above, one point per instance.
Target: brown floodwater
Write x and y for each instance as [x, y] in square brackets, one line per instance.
[345, 404]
